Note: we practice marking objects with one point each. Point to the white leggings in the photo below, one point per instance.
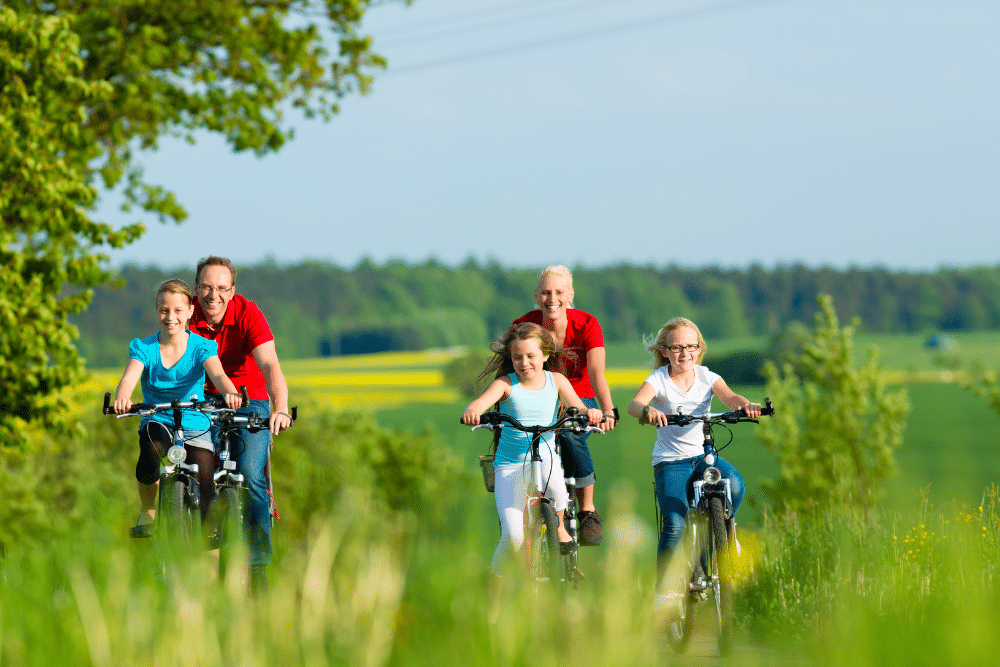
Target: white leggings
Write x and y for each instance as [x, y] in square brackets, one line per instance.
[510, 489]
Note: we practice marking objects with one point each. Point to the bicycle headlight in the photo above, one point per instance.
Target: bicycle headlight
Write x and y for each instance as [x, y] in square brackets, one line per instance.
[712, 475]
[176, 454]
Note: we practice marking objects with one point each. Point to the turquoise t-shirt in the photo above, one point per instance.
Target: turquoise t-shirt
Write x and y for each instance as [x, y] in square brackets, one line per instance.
[531, 408]
[183, 380]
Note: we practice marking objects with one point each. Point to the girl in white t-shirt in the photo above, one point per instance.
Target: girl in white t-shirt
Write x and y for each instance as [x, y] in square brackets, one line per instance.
[678, 382]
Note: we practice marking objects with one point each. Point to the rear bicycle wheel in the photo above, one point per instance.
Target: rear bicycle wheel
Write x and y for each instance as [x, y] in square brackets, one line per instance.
[680, 624]
[543, 545]
[722, 573]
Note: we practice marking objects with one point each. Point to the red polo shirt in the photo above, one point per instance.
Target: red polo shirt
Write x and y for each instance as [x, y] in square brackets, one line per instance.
[583, 334]
[242, 329]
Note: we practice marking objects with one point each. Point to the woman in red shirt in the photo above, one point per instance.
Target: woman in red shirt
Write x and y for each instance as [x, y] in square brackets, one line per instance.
[579, 334]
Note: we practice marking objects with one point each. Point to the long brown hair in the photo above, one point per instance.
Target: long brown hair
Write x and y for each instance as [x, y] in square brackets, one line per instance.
[501, 363]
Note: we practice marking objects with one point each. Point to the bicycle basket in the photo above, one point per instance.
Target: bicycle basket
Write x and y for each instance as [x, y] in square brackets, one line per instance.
[486, 463]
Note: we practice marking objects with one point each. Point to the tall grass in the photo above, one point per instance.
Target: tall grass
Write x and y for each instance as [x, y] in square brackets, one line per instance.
[907, 588]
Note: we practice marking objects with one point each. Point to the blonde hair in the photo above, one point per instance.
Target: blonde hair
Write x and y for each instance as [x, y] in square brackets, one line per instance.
[174, 286]
[656, 345]
[501, 363]
[556, 270]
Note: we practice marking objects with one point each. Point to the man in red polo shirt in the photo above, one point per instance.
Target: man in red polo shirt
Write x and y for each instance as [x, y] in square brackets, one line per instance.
[246, 349]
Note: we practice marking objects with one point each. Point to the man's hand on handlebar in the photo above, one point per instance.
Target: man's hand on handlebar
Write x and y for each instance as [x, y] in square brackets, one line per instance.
[752, 410]
[278, 422]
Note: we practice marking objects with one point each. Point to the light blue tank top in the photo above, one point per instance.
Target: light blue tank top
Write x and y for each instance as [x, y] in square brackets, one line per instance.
[531, 408]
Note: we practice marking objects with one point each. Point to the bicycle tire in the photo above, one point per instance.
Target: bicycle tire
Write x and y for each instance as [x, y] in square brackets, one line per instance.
[232, 501]
[680, 629]
[543, 548]
[721, 573]
[179, 515]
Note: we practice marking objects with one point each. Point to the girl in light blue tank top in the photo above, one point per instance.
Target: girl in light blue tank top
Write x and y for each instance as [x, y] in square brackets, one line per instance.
[528, 387]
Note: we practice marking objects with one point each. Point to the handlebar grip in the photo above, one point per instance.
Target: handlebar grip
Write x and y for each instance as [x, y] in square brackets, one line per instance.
[295, 412]
[246, 396]
[768, 409]
[107, 403]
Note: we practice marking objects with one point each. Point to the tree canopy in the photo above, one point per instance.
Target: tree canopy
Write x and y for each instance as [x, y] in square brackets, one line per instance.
[84, 87]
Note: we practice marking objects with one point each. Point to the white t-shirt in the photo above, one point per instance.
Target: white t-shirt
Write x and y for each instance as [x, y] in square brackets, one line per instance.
[681, 442]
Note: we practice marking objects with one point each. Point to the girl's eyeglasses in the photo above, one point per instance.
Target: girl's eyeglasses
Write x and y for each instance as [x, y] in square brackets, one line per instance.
[677, 348]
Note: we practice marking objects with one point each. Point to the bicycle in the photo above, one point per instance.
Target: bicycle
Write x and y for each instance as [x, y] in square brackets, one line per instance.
[710, 537]
[178, 517]
[549, 562]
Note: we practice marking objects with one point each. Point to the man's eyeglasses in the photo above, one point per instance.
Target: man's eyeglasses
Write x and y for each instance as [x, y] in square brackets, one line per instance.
[208, 289]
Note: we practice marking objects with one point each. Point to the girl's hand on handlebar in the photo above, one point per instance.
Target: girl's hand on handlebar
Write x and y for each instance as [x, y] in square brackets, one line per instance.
[122, 405]
[470, 418]
[594, 416]
[233, 400]
[656, 417]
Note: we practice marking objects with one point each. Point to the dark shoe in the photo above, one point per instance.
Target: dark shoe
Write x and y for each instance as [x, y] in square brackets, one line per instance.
[567, 547]
[590, 533]
[141, 530]
[258, 578]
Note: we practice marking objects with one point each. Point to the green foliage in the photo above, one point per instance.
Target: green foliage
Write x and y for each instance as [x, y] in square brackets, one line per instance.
[911, 587]
[462, 372]
[48, 246]
[312, 305]
[327, 458]
[986, 386]
[83, 85]
[836, 427]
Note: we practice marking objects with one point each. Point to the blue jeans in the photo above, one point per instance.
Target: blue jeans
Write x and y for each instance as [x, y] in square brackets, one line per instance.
[671, 479]
[251, 462]
[575, 454]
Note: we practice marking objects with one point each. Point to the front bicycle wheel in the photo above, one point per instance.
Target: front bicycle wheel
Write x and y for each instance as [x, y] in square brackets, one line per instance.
[180, 517]
[543, 544]
[680, 622]
[722, 573]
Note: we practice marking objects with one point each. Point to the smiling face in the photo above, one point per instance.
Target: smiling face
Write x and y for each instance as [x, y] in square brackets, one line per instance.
[215, 290]
[528, 359]
[174, 311]
[553, 295]
[681, 349]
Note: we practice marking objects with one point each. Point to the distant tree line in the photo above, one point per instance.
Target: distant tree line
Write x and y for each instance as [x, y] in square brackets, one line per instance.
[318, 308]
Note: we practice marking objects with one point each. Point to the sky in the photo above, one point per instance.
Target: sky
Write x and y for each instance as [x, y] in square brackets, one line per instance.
[654, 132]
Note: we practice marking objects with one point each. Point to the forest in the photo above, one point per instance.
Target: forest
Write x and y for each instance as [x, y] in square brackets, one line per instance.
[321, 309]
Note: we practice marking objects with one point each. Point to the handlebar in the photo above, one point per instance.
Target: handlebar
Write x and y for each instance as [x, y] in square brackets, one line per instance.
[572, 418]
[733, 417]
[213, 407]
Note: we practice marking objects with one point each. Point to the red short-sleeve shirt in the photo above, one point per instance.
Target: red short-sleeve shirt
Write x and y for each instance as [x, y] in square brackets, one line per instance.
[583, 334]
[243, 328]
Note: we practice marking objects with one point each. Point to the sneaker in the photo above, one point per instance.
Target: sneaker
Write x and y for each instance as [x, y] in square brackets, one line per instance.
[141, 529]
[258, 578]
[590, 533]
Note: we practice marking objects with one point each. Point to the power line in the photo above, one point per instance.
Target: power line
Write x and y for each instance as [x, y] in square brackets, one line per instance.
[533, 12]
[460, 17]
[675, 16]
